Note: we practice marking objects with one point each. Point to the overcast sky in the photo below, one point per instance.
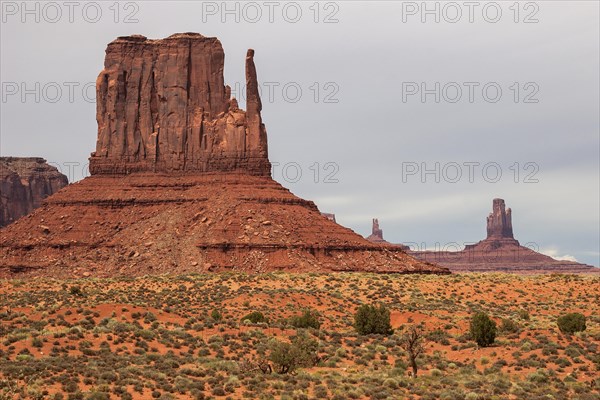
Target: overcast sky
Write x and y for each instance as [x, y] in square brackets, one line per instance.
[369, 94]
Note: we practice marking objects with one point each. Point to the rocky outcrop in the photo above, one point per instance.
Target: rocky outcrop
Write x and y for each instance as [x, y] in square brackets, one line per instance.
[500, 252]
[376, 235]
[24, 183]
[329, 216]
[162, 106]
[499, 222]
[150, 223]
[181, 183]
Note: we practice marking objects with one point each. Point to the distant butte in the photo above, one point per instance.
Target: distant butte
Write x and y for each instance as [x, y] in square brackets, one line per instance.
[24, 183]
[376, 236]
[181, 182]
[501, 252]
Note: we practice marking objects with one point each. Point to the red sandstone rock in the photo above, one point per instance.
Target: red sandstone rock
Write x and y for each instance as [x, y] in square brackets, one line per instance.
[151, 223]
[24, 183]
[499, 222]
[329, 216]
[162, 105]
[376, 236]
[181, 183]
[376, 233]
[500, 252]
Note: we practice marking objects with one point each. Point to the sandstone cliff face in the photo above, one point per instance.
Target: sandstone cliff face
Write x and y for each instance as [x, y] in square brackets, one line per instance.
[162, 106]
[24, 183]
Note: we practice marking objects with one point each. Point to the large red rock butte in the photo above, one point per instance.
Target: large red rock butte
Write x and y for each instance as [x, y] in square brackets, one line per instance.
[181, 183]
[24, 183]
[162, 106]
[501, 252]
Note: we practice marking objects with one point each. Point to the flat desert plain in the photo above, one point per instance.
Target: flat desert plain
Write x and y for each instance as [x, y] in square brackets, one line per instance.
[193, 337]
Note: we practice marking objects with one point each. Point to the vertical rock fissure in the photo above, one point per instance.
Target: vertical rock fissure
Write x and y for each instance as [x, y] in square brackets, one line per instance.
[125, 141]
[187, 131]
[137, 135]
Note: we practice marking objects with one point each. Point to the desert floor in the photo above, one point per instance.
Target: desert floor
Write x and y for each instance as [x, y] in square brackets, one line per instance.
[160, 337]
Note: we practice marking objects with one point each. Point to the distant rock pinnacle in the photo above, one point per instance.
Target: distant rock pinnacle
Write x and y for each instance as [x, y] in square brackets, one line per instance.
[376, 233]
[499, 222]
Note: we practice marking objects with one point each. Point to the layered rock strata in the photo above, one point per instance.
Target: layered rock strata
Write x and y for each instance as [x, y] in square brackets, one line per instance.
[181, 183]
[501, 252]
[24, 183]
[162, 106]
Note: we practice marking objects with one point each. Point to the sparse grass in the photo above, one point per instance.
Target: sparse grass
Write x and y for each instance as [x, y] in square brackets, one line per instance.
[186, 336]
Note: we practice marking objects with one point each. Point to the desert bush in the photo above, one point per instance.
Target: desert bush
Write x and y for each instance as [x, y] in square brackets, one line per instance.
[524, 315]
[370, 319]
[483, 329]
[308, 319]
[300, 352]
[75, 290]
[255, 317]
[571, 323]
[320, 392]
[149, 317]
[439, 336]
[509, 326]
[216, 315]
[98, 396]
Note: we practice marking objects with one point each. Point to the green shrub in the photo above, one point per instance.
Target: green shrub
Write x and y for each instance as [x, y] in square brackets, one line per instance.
[483, 329]
[75, 290]
[308, 319]
[301, 352]
[371, 319]
[571, 323]
[216, 315]
[509, 326]
[524, 315]
[320, 392]
[255, 317]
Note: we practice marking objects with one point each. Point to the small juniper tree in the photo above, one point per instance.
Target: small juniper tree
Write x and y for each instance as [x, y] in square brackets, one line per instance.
[571, 323]
[255, 317]
[371, 319]
[483, 329]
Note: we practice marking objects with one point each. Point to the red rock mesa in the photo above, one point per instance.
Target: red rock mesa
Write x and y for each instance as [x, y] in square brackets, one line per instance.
[501, 252]
[181, 183]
